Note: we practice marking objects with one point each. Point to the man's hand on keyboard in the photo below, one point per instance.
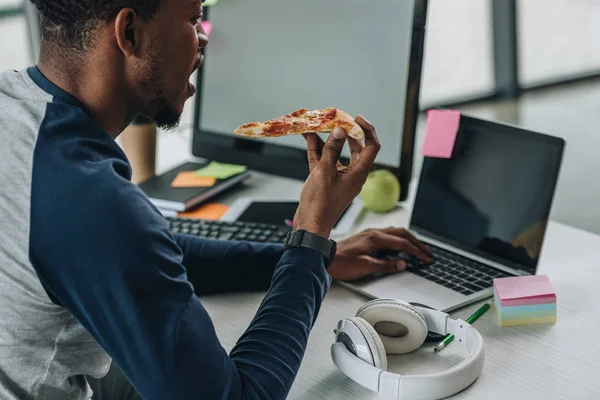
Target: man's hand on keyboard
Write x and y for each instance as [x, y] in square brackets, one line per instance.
[354, 258]
[331, 187]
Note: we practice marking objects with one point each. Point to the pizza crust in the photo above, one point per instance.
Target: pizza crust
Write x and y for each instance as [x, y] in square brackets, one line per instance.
[303, 121]
[352, 128]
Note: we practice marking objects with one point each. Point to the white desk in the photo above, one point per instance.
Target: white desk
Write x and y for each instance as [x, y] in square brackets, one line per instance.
[558, 361]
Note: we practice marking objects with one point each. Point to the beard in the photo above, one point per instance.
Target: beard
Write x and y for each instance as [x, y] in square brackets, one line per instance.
[154, 104]
[164, 115]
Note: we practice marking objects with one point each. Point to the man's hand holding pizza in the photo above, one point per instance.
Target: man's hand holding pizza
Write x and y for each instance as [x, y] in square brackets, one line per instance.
[329, 190]
[331, 187]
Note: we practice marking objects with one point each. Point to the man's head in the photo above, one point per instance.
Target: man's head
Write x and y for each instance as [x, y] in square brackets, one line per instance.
[153, 47]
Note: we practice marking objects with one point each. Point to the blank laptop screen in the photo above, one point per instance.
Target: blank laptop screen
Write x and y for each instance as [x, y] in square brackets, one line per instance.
[493, 196]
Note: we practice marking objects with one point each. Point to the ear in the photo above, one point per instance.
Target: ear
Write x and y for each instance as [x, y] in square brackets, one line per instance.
[127, 26]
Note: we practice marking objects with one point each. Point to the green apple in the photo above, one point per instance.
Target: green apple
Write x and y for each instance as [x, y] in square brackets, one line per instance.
[381, 191]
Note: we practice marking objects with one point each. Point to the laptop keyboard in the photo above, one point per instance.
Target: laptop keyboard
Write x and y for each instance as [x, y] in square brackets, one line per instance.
[455, 272]
[236, 231]
[448, 269]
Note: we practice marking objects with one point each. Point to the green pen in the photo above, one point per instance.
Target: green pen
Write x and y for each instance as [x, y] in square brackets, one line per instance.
[469, 320]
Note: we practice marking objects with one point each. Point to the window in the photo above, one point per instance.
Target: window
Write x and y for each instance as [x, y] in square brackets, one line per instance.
[458, 59]
[557, 41]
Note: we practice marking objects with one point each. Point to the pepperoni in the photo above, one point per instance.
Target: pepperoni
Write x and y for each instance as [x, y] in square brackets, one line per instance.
[331, 114]
[278, 128]
[300, 121]
[299, 113]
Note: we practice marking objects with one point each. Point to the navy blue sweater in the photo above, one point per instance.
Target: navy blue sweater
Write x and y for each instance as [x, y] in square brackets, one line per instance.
[103, 252]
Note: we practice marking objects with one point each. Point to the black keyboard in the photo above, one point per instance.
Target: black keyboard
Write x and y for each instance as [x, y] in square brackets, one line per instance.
[455, 272]
[448, 269]
[236, 231]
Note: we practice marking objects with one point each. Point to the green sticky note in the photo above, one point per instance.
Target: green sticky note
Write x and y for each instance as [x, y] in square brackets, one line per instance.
[221, 171]
[209, 3]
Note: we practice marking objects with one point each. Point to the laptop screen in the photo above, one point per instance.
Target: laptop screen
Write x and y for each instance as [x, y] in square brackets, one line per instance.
[493, 196]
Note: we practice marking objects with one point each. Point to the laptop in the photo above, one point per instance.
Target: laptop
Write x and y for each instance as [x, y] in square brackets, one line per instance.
[483, 212]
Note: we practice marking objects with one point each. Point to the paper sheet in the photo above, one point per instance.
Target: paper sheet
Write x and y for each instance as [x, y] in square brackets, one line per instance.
[221, 171]
[440, 134]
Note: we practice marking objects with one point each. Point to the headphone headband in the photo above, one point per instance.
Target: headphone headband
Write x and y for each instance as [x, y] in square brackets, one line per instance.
[431, 386]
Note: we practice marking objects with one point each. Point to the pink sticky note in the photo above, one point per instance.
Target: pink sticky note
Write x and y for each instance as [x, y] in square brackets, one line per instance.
[440, 134]
[207, 26]
[524, 290]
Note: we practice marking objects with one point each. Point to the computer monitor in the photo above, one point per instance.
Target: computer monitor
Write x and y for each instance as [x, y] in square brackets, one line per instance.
[267, 58]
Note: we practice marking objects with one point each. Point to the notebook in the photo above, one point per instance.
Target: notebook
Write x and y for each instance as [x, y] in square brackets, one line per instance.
[165, 197]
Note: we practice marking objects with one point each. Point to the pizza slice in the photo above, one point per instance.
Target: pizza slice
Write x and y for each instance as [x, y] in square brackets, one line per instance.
[303, 121]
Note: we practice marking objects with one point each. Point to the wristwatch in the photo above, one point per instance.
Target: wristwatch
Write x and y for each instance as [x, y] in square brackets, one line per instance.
[301, 238]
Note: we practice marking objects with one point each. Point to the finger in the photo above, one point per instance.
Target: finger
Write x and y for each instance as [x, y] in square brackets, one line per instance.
[333, 148]
[320, 147]
[314, 149]
[390, 242]
[356, 147]
[372, 145]
[401, 232]
[385, 266]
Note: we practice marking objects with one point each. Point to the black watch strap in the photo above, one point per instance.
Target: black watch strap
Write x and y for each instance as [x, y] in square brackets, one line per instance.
[301, 238]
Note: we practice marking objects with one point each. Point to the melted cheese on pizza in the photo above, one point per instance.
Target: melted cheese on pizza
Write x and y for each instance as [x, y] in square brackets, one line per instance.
[300, 121]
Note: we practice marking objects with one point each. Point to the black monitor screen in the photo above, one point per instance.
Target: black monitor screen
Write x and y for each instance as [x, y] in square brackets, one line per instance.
[493, 196]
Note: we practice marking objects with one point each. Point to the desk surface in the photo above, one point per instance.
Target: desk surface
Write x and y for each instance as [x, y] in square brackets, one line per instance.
[557, 361]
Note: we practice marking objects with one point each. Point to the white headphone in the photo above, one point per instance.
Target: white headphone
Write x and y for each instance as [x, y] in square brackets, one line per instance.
[388, 326]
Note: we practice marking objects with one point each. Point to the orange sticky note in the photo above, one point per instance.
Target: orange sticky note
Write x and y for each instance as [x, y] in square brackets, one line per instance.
[187, 179]
[210, 211]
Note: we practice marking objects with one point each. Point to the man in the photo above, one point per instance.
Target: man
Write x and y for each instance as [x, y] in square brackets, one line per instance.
[89, 271]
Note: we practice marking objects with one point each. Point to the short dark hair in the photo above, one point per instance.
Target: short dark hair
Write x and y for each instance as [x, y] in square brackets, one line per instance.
[70, 22]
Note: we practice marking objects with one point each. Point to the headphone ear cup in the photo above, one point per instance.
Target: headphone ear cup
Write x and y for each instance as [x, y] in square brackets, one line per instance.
[375, 345]
[401, 327]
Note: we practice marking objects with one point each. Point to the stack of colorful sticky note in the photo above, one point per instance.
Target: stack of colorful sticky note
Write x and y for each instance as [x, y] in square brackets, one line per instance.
[524, 300]
[207, 176]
